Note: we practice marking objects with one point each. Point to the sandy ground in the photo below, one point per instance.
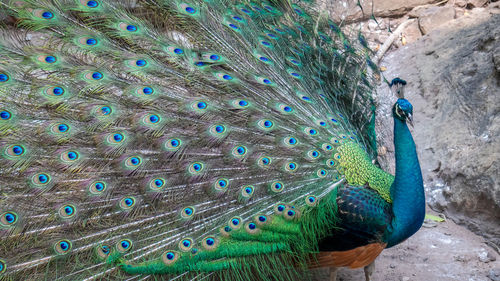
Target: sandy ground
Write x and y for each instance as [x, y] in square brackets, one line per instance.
[443, 252]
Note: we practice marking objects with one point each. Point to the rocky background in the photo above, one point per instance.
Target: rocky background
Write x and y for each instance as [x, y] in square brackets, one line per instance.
[449, 52]
[453, 70]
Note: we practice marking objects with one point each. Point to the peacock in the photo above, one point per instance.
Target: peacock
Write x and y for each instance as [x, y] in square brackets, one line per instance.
[194, 140]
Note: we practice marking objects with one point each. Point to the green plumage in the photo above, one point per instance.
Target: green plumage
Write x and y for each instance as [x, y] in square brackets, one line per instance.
[163, 139]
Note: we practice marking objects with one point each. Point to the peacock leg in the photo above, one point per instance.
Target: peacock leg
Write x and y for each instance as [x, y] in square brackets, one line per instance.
[369, 271]
[333, 273]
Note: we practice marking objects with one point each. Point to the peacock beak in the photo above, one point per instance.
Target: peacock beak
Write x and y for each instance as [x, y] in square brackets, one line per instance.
[409, 118]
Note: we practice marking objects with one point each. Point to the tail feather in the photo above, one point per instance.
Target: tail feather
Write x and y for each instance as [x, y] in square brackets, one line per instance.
[133, 133]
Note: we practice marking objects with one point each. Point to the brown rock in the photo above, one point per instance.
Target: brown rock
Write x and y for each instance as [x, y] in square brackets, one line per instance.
[476, 3]
[412, 32]
[381, 8]
[433, 17]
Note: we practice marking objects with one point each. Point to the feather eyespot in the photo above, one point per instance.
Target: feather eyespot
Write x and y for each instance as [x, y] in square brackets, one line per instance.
[311, 200]
[59, 129]
[234, 26]
[313, 154]
[124, 245]
[251, 228]
[128, 27]
[103, 111]
[235, 223]
[103, 251]
[330, 163]
[157, 184]
[335, 141]
[290, 214]
[199, 106]
[321, 173]
[285, 108]
[151, 119]
[67, 211]
[266, 43]
[94, 76]
[173, 144]
[310, 131]
[264, 161]
[8, 219]
[188, 9]
[170, 257]
[261, 219]
[5, 115]
[97, 187]
[92, 4]
[217, 130]
[326, 147]
[195, 168]
[187, 212]
[63, 247]
[239, 151]
[247, 192]
[55, 91]
[221, 185]
[127, 203]
[115, 138]
[3, 267]
[62, 128]
[276, 187]
[290, 141]
[265, 124]
[226, 231]
[4, 77]
[148, 91]
[279, 208]
[186, 244]
[41, 180]
[133, 162]
[265, 81]
[70, 156]
[210, 243]
[47, 15]
[174, 50]
[15, 150]
[291, 167]
[240, 103]
[141, 63]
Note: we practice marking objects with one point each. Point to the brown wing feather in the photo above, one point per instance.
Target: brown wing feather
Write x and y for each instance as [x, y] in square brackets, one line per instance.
[355, 258]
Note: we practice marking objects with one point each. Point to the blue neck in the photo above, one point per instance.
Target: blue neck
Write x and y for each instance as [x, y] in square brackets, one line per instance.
[407, 191]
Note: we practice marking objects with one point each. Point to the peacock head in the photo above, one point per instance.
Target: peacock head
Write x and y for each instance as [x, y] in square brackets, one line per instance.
[397, 85]
[403, 110]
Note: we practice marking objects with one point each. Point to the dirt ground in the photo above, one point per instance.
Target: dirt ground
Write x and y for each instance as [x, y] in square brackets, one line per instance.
[443, 252]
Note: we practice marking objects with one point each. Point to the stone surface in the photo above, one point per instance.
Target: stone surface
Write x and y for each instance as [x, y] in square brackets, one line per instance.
[412, 32]
[431, 18]
[381, 8]
[494, 274]
[476, 3]
[454, 78]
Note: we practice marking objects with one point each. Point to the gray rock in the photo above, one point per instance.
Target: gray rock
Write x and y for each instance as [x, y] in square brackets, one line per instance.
[433, 17]
[494, 274]
[381, 8]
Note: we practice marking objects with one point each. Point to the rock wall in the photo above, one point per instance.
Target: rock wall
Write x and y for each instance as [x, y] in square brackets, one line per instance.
[454, 84]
